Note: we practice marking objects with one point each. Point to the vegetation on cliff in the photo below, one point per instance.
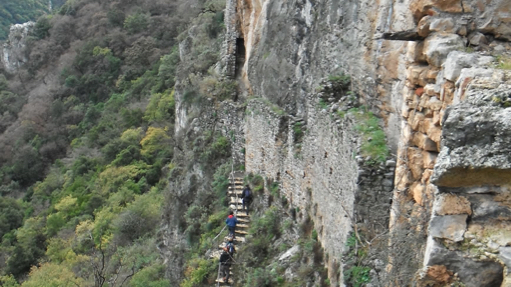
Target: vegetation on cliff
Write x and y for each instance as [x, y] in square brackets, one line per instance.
[21, 11]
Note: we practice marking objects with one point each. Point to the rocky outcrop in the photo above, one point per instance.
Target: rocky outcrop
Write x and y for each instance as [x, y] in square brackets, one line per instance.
[476, 135]
[472, 273]
[14, 50]
[453, 161]
[447, 125]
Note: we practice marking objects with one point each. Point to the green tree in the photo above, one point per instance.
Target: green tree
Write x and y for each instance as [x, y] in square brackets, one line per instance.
[52, 275]
[20, 11]
[8, 281]
[156, 140]
[42, 27]
[150, 277]
[136, 23]
[161, 107]
[11, 215]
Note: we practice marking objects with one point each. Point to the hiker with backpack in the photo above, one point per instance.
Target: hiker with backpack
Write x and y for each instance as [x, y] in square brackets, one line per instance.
[225, 264]
[231, 222]
[230, 247]
[246, 198]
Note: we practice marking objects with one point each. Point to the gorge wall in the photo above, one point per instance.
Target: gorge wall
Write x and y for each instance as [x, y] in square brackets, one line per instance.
[430, 70]
[14, 53]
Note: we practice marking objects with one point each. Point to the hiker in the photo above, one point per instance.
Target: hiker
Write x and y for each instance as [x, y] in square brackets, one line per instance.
[230, 247]
[231, 222]
[225, 264]
[246, 197]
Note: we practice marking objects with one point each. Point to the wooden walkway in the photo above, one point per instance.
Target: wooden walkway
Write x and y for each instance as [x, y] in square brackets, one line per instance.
[235, 204]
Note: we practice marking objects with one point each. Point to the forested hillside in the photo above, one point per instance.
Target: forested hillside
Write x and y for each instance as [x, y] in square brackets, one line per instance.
[21, 11]
[86, 144]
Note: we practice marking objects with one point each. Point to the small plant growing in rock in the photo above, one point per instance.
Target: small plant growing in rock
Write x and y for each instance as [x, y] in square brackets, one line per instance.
[356, 274]
[341, 79]
[374, 142]
[503, 62]
[297, 128]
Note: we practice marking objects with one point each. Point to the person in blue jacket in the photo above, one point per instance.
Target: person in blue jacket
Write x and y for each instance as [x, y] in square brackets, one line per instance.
[231, 222]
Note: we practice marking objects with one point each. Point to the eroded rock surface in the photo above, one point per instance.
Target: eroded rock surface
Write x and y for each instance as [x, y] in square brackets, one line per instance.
[472, 273]
[475, 138]
[14, 51]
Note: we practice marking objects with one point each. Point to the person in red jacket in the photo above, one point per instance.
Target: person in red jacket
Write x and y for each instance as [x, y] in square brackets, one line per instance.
[231, 222]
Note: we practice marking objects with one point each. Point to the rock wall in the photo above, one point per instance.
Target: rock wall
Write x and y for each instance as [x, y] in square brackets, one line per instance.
[321, 173]
[427, 67]
[292, 45]
[451, 174]
[14, 50]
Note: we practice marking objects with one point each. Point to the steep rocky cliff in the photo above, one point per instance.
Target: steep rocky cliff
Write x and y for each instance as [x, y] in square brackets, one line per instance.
[377, 131]
[432, 70]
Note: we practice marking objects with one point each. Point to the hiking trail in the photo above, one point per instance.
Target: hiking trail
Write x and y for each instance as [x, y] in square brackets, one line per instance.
[235, 204]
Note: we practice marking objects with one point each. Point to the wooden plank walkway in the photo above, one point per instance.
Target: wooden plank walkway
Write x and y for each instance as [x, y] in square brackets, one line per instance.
[234, 192]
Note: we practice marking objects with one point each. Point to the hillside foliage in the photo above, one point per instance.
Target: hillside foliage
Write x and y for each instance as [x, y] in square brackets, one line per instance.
[21, 11]
[90, 165]
[87, 140]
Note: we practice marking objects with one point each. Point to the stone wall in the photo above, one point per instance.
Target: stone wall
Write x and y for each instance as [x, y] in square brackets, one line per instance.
[411, 84]
[451, 166]
[321, 174]
[231, 22]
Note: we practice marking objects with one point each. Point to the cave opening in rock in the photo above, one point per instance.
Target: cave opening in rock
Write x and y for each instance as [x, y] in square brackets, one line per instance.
[240, 56]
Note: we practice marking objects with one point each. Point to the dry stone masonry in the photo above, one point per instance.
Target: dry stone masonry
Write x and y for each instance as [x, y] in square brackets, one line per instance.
[322, 173]
[438, 85]
[453, 160]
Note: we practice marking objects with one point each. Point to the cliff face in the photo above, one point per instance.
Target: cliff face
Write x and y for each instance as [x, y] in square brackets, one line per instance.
[14, 53]
[444, 101]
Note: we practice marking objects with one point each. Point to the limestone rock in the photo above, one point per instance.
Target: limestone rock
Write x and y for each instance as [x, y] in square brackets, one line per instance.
[423, 26]
[495, 19]
[439, 274]
[15, 50]
[486, 208]
[434, 103]
[438, 46]
[476, 134]
[476, 148]
[417, 120]
[451, 204]
[421, 8]
[450, 227]
[477, 39]
[471, 273]
[426, 175]
[466, 79]
[289, 253]
[417, 191]
[415, 162]
[429, 159]
[442, 25]
[457, 60]
[416, 74]
[424, 142]
[505, 256]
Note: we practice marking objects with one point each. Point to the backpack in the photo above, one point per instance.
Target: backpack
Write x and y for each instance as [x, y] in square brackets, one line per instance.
[230, 248]
[248, 194]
